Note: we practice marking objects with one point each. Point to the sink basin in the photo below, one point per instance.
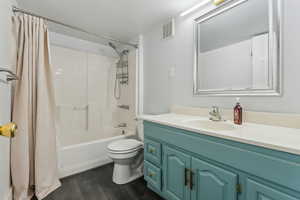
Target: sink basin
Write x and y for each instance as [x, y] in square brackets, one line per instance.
[211, 125]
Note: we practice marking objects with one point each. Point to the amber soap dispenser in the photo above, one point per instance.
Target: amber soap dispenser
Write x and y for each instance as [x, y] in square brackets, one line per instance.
[238, 113]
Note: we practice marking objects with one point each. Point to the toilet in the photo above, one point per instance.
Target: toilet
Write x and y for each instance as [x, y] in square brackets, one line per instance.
[127, 155]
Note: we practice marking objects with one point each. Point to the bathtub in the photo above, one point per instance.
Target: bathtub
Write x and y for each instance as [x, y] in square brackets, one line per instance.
[81, 157]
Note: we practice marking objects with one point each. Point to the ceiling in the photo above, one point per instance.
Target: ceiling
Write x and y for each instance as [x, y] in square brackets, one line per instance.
[120, 19]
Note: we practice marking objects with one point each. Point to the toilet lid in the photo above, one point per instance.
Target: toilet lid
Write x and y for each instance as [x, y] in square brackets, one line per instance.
[124, 145]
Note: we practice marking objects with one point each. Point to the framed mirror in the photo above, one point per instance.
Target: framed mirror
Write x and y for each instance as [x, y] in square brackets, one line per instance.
[238, 49]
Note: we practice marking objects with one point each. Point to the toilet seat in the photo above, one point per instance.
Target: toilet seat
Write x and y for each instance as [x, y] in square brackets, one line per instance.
[124, 152]
[124, 146]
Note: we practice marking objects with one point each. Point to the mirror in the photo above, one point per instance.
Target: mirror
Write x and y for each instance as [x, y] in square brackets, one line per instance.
[237, 49]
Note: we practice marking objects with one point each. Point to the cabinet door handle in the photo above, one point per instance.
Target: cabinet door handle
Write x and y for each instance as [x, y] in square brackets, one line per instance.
[151, 174]
[191, 179]
[186, 180]
[151, 150]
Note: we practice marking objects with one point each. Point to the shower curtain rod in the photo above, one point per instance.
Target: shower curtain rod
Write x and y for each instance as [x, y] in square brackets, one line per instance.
[15, 10]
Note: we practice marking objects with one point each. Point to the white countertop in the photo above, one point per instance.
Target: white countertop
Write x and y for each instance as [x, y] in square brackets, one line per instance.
[271, 137]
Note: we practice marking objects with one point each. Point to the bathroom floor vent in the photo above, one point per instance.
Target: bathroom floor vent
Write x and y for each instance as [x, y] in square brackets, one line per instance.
[169, 29]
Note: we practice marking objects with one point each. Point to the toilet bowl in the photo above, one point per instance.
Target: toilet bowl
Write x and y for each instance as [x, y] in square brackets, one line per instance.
[127, 155]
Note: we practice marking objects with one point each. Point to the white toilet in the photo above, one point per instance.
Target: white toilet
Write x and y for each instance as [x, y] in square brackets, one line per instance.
[127, 155]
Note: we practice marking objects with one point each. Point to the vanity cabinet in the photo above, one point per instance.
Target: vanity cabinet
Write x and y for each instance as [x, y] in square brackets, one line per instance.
[188, 178]
[183, 165]
[212, 182]
[259, 191]
[175, 168]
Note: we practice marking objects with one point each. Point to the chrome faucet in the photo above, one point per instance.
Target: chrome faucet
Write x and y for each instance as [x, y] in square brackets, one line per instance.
[215, 114]
[122, 125]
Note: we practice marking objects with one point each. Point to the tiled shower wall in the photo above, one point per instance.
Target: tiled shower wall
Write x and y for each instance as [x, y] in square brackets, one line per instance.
[84, 108]
[84, 85]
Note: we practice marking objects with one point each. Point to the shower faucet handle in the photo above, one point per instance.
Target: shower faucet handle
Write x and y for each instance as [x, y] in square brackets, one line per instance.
[121, 125]
[126, 107]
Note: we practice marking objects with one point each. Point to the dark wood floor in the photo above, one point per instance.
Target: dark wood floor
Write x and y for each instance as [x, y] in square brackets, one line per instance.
[96, 184]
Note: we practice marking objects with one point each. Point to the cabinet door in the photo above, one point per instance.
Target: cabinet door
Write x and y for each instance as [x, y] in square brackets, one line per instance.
[212, 182]
[259, 191]
[174, 171]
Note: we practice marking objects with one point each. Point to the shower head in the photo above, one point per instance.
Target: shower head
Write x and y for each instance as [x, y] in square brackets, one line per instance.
[115, 48]
[112, 46]
[126, 51]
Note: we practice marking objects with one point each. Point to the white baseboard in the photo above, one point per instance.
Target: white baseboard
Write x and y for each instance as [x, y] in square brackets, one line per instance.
[75, 169]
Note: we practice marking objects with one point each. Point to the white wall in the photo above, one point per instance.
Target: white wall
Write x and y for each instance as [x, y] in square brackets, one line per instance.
[162, 90]
[62, 40]
[5, 6]
[5, 42]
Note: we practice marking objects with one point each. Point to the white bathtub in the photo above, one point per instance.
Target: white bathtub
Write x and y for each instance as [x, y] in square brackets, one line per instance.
[81, 157]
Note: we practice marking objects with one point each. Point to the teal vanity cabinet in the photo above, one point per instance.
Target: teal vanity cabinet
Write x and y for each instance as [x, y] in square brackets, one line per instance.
[175, 168]
[258, 191]
[209, 181]
[183, 165]
[212, 182]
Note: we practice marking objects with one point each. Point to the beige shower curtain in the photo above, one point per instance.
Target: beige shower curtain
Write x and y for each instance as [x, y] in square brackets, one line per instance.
[33, 150]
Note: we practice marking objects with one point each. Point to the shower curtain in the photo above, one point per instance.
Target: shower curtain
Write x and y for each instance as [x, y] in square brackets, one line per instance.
[33, 150]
